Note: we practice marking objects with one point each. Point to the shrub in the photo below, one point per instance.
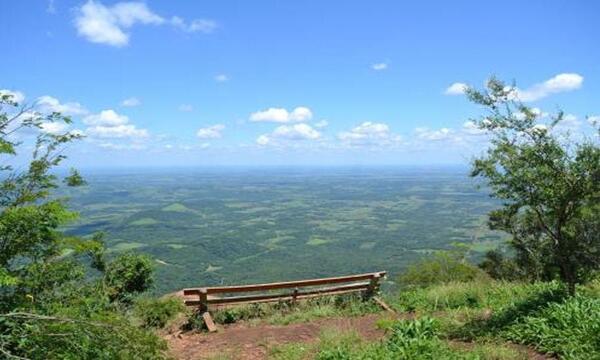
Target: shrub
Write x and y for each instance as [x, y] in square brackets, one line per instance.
[128, 275]
[285, 312]
[570, 329]
[492, 295]
[156, 313]
[445, 266]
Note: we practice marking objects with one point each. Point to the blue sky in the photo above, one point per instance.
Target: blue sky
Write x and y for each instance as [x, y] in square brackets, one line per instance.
[291, 82]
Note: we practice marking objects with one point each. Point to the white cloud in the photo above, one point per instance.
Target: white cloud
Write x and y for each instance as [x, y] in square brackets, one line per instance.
[293, 132]
[569, 124]
[211, 132]
[367, 131]
[106, 118]
[197, 25]
[54, 128]
[321, 124]
[109, 24]
[17, 96]
[281, 115]
[120, 131]
[106, 25]
[50, 104]
[594, 120]
[262, 140]
[559, 83]
[433, 135]
[113, 146]
[379, 66]
[221, 78]
[131, 102]
[470, 128]
[186, 107]
[457, 88]
[296, 132]
[110, 124]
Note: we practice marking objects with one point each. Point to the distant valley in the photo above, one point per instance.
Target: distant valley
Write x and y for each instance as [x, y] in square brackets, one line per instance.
[224, 226]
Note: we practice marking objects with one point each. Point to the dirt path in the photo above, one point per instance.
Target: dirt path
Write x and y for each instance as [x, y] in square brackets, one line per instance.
[242, 341]
[245, 341]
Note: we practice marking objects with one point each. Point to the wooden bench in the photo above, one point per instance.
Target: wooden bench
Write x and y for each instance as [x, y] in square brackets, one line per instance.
[367, 284]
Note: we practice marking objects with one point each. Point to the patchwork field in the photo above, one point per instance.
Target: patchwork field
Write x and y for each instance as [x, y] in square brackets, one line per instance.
[248, 225]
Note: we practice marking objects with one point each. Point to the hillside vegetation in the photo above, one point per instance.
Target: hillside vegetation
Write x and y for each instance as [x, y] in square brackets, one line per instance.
[464, 317]
[475, 320]
[65, 295]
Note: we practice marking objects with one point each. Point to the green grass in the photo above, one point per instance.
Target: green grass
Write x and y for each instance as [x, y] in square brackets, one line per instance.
[176, 246]
[367, 245]
[212, 268]
[570, 329]
[407, 339]
[316, 241]
[538, 315]
[472, 320]
[177, 207]
[144, 222]
[492, 295]
[125, 246]
[284, 313]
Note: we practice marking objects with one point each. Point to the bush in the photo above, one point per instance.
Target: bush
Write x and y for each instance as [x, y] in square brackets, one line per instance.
[156, 313]
[128, 275]
[409, 339]
[445, 266]
[285, 312]
[492, 295]
[78, 323]
[570, 329]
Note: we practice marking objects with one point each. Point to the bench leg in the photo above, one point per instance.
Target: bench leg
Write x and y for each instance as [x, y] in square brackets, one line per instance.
[210, 324]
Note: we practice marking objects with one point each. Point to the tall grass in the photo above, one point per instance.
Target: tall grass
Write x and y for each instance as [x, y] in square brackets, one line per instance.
[286, 312]
[570, 329]
[492, 295]
[408, 339]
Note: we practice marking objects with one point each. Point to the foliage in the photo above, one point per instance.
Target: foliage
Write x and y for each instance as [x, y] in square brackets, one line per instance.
[501, 267]
[444, 266]
[541, 315]
[156, 313]
[407, 339]
[283, 313]
[52, 304]
[211, 232]
[549, 185]
[127, 275]
[570, 329]
[488, 295]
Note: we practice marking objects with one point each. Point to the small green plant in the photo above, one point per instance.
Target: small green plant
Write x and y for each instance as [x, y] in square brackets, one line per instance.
[570, 329]
[490, 295]
[285, 312]
[128, 275]
[156, 313]
[443, 267]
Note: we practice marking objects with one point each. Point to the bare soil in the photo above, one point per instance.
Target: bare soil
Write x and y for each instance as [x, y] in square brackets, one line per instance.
[244, 341]
[252, 341]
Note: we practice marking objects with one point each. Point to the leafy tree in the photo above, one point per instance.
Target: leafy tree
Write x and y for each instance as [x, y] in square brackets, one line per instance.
[549, 185]
[499, 266]
[50, 306]
[127, 275]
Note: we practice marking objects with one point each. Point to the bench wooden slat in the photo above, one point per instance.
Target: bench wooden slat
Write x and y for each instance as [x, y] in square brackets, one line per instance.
[234, 299]
[283, 285]
[271, 299]
[365, 283]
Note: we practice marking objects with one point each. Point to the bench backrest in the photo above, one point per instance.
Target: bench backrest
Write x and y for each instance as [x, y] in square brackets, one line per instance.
[302, 289]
